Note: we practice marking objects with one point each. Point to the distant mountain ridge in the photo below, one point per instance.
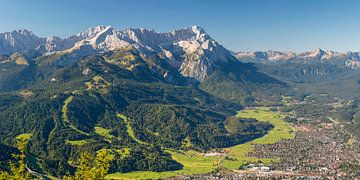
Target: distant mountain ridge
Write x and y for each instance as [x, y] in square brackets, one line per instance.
[190, 50]
[348, 59]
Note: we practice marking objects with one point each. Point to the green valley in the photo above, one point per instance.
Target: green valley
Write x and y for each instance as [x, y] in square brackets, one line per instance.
[198, 163]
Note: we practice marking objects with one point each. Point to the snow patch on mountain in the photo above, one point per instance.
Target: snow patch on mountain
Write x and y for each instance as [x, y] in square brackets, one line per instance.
[191, 50]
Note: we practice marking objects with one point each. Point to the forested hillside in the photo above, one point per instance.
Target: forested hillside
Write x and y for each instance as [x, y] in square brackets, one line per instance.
[105, 103]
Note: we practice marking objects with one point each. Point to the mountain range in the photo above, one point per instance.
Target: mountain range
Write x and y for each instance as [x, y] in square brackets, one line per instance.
[347, 59]
[190, 50]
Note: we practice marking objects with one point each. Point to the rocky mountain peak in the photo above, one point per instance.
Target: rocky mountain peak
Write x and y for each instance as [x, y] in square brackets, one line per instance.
[190, 50]
[317, 52]
[199, 31]
[91, 32]
[19, 40]
[23, 32]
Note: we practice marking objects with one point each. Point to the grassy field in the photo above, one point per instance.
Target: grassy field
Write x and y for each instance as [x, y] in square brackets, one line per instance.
[281, 130]
[99, 130]
[98, 83]
[124, 152]
[129, 129]
[195, 163]
[104, 132]
[77, 142]
[65, 117]
[64, 108]
[187, 143]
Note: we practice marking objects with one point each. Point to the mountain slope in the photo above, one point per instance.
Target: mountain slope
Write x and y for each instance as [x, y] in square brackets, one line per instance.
[134, 92]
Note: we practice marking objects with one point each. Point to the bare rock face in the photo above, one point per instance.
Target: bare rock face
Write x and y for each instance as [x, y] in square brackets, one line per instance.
[196, 66]
[190, 50]
[19, 40]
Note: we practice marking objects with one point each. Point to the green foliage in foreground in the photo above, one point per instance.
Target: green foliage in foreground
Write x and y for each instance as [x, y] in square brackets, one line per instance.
[196, 163]
[91, 168]
[88, 167]
[18, 170]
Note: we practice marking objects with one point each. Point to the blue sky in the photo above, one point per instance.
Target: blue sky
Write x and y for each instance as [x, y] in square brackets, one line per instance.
[240, 25]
